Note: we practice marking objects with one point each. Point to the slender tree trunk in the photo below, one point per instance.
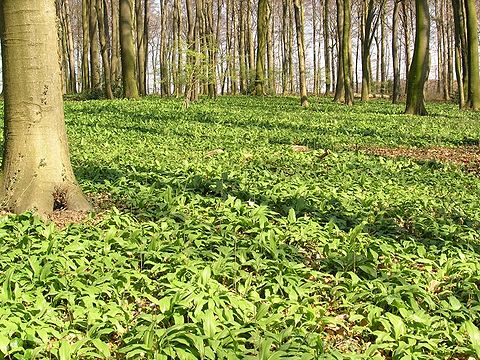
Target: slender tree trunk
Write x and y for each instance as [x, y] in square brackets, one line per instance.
[314, 50]
[141, 42]
[128, 50]
[383, 49]
[242, 52]
[299, 22]
[406, 35]
[340, 85]
[251, 45]
[115, 70]
[285, 40]
[456, 5]
[94, 47]
[326, 44]
[395, 52]
[418, 73]
[36, 170]
[270, 52]
[104, 48]
[347, 52]
[70, 47]
[190, 89]
[85, 47]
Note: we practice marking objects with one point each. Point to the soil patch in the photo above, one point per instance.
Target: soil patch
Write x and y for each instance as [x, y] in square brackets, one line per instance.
[468, 156]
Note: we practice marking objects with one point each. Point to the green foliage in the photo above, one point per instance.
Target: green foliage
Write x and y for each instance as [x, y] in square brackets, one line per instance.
[256, 252]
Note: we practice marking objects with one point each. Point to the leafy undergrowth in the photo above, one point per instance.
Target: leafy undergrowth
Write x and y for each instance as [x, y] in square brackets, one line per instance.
[222, 241]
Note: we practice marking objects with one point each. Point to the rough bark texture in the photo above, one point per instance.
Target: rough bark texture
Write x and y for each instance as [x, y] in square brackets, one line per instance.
[128, 50]
[36, 170]
[418, 73]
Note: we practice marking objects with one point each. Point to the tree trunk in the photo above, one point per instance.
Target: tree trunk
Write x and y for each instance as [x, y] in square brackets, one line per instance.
[85, 47]
[94, 47]
[128, 50]
[36, 170]
[347, 52]
[340, 83]
[326, 44]
[418, 73]
[262, 24]
[104, 47]
[141, 46]
[472, 38]
[270, 52]
[70, 47]
[299, 22]
[395, 52]
[456, 5]
[115, 62]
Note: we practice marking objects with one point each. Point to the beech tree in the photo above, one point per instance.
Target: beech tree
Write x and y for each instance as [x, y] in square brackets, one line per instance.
[36, 170]
[127, 45]
[299, 24]
[418, 73]
[262, 24]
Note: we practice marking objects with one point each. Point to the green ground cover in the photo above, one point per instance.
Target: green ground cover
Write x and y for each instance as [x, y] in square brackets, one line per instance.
[256, 252]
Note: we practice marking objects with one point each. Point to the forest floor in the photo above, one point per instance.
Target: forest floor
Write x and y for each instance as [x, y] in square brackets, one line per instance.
[249, 228]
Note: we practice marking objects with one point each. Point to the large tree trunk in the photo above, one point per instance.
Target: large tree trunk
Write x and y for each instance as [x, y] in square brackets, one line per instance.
[262, 24]
[472, 38]
[418, 73]
[299, 22]
[128, 50]
[36, 171]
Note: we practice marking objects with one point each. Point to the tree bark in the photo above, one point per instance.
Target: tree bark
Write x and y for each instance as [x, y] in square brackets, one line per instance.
[115, 61]
[128, 50]
[347, 52]
[418, 73]
[104, 48]
[94, 47]
[340, 83]
[326, 46]
[85, 47]
[396, 52]
[262, 24]
[141, 46]
[299, 22]
[472, 38]
[70, 47]
[36, 170]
